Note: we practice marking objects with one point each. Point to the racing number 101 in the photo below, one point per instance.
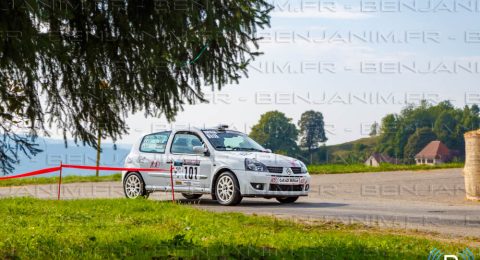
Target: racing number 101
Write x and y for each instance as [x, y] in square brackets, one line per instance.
[190, 171]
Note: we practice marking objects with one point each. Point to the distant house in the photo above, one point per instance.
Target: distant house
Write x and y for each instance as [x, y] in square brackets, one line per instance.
[434, 153]
[376, 159]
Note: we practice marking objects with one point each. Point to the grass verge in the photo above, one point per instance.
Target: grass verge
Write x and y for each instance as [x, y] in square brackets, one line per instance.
[65, 179]
[355, 168]
[120, 228]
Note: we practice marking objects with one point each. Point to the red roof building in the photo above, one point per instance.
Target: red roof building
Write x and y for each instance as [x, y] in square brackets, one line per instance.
[434, 153]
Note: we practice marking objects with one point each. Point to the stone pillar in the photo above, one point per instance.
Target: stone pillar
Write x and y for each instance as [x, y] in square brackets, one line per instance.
[472, 165]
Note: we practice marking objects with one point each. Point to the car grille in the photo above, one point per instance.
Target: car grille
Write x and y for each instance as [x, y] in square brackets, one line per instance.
[279, 187]
[296, 170]
[275, 169]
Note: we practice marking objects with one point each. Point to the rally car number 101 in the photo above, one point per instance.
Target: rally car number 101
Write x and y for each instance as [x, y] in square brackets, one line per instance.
[191, 173]
[224, 163]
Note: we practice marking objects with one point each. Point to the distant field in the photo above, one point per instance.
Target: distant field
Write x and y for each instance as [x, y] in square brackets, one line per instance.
[146, 229]
[342, 152]
[66, 179]
[353, 168]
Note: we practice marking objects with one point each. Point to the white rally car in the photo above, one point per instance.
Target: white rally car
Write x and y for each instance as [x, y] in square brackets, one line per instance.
[224, 163]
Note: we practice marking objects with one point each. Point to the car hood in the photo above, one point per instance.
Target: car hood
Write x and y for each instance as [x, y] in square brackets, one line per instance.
[269, 159]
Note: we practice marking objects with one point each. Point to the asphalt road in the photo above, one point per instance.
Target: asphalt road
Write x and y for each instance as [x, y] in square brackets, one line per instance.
[425, 200]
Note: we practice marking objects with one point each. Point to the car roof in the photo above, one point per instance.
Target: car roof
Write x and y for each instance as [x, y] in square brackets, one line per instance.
[194, 129]
[186, 129]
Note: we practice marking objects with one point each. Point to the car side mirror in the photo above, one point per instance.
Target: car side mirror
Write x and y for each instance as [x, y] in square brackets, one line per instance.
[200, 150]
[268, 150]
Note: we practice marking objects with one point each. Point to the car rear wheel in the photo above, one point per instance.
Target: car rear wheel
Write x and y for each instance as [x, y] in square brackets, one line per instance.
[227, 190]
[191, 196]
[134, 186]
[287, 199]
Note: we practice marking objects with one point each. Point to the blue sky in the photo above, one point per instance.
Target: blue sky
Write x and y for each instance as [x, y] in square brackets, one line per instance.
[412, 68]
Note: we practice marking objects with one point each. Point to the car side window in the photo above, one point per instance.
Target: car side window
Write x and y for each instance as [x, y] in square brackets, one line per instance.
[155, 143]
[184, 143]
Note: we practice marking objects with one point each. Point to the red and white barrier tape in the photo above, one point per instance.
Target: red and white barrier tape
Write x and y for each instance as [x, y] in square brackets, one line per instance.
[29, 174]
[83, 167]
[104, 168]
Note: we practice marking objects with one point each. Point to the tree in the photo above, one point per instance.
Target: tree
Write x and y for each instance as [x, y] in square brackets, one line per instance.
[445, 128]
[276, 132]
[417, 142]
[312, 131]
[155, 54]
[470, 118]
[448, 123]
[374, 129]
[14, 123]
[103, 85]
[475, 110]
[388, 130]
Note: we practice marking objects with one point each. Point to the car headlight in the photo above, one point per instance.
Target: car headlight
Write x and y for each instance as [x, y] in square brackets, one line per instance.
[303, 168]
[255, 165]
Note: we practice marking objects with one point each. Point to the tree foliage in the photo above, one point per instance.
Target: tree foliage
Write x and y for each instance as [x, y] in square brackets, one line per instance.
[312, 130]
[16, 137]
[374, 129]
[417, 141]
[276, 132]
[402, 134]
[155, 56]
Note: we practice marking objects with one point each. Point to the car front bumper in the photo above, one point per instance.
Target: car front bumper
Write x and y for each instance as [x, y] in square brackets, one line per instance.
[264, 184]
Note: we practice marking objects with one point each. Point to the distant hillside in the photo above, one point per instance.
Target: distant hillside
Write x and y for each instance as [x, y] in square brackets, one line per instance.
[354, 151]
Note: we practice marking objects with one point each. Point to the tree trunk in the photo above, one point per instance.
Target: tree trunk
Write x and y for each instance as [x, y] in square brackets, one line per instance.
[99, 144]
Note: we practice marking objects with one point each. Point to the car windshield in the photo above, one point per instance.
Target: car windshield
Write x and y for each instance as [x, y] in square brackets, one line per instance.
[232, 141]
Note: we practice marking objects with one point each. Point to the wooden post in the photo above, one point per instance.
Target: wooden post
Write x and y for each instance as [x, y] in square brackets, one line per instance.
[99, 144]
[471, 171]
[60, 181]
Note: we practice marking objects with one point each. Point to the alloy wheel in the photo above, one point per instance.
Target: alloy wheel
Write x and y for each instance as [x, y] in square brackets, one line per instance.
[225, 188]
[133, 186]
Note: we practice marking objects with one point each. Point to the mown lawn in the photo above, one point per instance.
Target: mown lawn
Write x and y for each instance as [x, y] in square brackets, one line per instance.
[140, 229]
[353, 168]
[65, 179]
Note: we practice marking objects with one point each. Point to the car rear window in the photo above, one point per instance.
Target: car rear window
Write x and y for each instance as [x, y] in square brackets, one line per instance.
[155, 143]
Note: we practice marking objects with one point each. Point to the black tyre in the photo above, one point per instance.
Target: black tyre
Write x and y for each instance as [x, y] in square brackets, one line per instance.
[214, 197]
[287, 199]
[134, 186]
[227, 190]
[191, 196]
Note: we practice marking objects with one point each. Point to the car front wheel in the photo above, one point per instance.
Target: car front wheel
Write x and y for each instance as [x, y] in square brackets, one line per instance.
[227, 190]
[134, 186]
[287, 199]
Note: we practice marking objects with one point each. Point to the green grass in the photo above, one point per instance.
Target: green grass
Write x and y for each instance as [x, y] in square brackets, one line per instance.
[65, 179]
[144, 229]
[353, 168]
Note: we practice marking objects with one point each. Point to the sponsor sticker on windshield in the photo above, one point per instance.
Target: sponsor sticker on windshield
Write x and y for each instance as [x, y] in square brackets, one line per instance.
[211, 134]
